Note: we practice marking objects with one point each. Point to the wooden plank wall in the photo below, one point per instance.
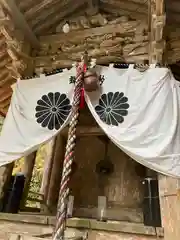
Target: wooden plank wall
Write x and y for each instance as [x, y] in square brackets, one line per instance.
[124, 198]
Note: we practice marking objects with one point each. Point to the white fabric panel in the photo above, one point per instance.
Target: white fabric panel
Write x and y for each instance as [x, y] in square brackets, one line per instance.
[140, 113]
[39, 109]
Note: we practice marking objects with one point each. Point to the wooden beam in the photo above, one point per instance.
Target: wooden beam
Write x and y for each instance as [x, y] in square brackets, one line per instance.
[123, 29]
[4, 105]
[125, 41]
[119, 7]
[5, 96]
[113, 10]
[48, 164]
[84, 223]
[20, 22]
[7, 81]
[170, 207]
[4, 73]
[85, 131]
[57, 16]
[29, 162]
[92, 7]
[5, 176]
[5, 90]
[44, 5]
[2, 113]
[132, 53]
[4, 62]
[53, 193]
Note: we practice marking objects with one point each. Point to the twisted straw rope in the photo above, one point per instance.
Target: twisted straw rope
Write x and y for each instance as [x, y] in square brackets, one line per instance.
[68, 160]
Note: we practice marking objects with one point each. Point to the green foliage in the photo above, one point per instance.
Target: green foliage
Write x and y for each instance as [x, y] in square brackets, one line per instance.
[37, 177]
[18, 166]
[1, 122]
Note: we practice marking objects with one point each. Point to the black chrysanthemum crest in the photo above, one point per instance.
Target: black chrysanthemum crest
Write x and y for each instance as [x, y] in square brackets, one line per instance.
[52, 110]
[112, 108]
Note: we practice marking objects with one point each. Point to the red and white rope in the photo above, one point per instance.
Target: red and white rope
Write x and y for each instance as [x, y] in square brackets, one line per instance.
[69, 157]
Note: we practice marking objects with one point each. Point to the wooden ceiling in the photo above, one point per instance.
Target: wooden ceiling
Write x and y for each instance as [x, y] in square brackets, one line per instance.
[43, 16]
[34, 18]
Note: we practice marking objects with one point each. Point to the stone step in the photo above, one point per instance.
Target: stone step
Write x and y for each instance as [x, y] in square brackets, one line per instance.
[19, 231]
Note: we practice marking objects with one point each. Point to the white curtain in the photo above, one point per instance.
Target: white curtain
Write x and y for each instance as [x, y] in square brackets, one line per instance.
[140, 113]
[39, 109]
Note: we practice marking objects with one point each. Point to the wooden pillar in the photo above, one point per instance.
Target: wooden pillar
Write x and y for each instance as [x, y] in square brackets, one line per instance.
[157, 20]
[5, 175]
[29, 162]
[56, 173]
[170, 207]
[48, 163]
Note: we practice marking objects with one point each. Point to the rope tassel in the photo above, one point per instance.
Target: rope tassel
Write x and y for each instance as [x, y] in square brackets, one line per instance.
[69, 157]
[82, 100]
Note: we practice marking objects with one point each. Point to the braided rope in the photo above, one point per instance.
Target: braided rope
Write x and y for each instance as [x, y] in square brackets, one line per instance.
[68, 160]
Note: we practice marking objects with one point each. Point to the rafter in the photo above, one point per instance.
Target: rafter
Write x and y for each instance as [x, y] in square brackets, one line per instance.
[129, 28]
[7, 80]
[93, 7]
[5, 90]
[2, 113]
[129, 6]
[5, 104]
[4, 62]
[6, 96]
[41, 5]
[57, 16]
[20, 22]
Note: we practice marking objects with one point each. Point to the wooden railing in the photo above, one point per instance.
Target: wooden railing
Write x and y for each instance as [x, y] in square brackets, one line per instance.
[39, 198]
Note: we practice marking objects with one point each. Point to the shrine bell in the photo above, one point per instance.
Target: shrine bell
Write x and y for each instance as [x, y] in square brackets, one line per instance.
[91, 80]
